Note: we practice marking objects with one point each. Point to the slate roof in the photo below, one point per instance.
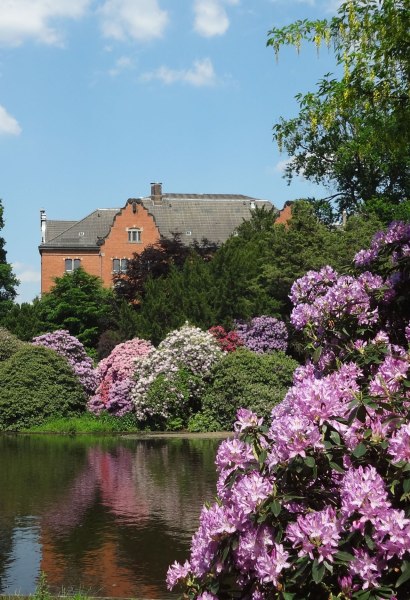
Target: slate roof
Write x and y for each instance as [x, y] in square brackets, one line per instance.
[197, 216]
[194, 216]
[80, 234]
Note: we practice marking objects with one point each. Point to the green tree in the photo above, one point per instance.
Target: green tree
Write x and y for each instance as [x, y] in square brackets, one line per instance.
[24, 320]
[79, 303]
[353, 133]
[8, 281]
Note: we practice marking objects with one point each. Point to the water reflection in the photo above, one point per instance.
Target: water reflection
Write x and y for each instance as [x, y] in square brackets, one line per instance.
[106, 516]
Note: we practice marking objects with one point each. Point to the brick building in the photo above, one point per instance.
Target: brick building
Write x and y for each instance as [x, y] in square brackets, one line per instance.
[102, 242]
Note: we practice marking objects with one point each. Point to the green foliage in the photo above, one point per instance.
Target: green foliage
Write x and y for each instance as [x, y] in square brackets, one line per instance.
[8, 281]
[24, 321]
[9, 344]
[169, 301]
[36, 383]
[245, 379]
[181, 396]
[352, 133]
[87, 423]
[79, 303]
[202, 421]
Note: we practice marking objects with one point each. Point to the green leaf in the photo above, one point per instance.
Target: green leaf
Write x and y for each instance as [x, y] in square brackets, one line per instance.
[310, 462]
[406, 486]
[405, 574]
[360, 450]
[344, 556]
[276, 507]
[318, 570]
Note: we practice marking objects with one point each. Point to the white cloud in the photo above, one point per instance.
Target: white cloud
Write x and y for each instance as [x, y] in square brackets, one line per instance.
[201, 74]
[282, 164]
[26, 274]
[211, 17]
[141, 20]
[30, 19]
[8, 124]
[121, 64]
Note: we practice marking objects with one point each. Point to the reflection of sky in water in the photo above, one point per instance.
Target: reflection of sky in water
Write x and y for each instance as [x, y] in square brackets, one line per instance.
[24, 563]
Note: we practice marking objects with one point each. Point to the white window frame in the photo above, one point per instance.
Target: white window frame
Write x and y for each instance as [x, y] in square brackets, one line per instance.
[122, 265]
[134, 235]
[75, 264]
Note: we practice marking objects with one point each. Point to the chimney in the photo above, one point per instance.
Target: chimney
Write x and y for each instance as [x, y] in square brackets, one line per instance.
[43, 220]
[156, 193]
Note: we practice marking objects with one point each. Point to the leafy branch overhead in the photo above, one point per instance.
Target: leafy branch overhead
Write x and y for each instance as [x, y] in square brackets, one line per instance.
[352, 133]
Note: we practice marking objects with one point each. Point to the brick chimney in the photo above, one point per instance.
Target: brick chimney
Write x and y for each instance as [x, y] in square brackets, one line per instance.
[156, 193]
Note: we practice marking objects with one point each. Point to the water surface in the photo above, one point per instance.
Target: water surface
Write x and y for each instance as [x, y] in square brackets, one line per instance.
[102, 515]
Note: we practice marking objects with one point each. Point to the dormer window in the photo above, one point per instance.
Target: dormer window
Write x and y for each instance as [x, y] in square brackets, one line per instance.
[134, 235]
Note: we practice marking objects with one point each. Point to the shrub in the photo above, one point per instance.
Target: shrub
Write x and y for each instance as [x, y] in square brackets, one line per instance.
[74, 352]
[9, 344]
[263, 334]
[245, 379]
[228, 341]
[115, 374]
[317, 505]
[185, 355]
[36, 384]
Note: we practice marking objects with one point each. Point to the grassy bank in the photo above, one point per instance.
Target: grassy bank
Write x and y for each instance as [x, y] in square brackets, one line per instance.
[87, 423]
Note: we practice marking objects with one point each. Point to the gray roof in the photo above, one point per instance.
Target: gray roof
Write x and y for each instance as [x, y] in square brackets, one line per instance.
[80, 234]
[211, 216]
[194, 216]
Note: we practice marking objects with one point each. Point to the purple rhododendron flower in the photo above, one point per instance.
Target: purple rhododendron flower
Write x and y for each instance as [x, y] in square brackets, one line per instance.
[263, 334]
[74, 352]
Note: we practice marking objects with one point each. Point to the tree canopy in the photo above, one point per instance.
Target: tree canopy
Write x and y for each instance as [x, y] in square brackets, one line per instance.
[352, 133]
[8, 281]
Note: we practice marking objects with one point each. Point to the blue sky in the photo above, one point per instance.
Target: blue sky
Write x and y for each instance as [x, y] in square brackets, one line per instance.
[100, 97]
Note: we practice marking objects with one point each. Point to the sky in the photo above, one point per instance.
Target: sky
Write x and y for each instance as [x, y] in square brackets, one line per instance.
[99, 98]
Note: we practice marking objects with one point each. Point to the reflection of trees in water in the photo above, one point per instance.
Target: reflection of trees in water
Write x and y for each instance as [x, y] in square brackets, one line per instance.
[6, 547]
[129, 512]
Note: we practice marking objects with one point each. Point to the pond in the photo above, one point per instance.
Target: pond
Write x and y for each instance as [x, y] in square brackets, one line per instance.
[105, 516]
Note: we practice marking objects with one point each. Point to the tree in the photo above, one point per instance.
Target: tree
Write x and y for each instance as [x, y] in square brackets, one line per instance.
[156, 261]
[8, 281]
[79, 303]
[352, 133]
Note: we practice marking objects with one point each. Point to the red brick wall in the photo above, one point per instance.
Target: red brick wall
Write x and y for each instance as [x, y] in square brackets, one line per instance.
[285, 214]
[116, 245]
[53, 265]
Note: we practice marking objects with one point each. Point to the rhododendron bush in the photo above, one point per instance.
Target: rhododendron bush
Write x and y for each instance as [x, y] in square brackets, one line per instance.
[315, 504]
[115, 377]
[74, 352]
[161, 391]
[263, 334]
[228, 341]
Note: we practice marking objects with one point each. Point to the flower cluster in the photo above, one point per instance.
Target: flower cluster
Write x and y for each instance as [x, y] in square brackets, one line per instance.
[115, 377]
[263, 334]
[228, 341]
[396, 239]
[188, 349]
[73, 351]
[317, 503]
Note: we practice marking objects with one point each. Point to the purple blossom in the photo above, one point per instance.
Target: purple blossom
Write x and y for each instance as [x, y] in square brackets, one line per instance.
[176, 572]
[246, 419]
[316, 534]
[269, 565]
[74, 352]
[263, 334]
[399, 444]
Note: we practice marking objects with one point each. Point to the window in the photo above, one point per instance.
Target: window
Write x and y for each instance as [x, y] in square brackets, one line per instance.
[134, 236]
[119, 265]
[71, 264]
